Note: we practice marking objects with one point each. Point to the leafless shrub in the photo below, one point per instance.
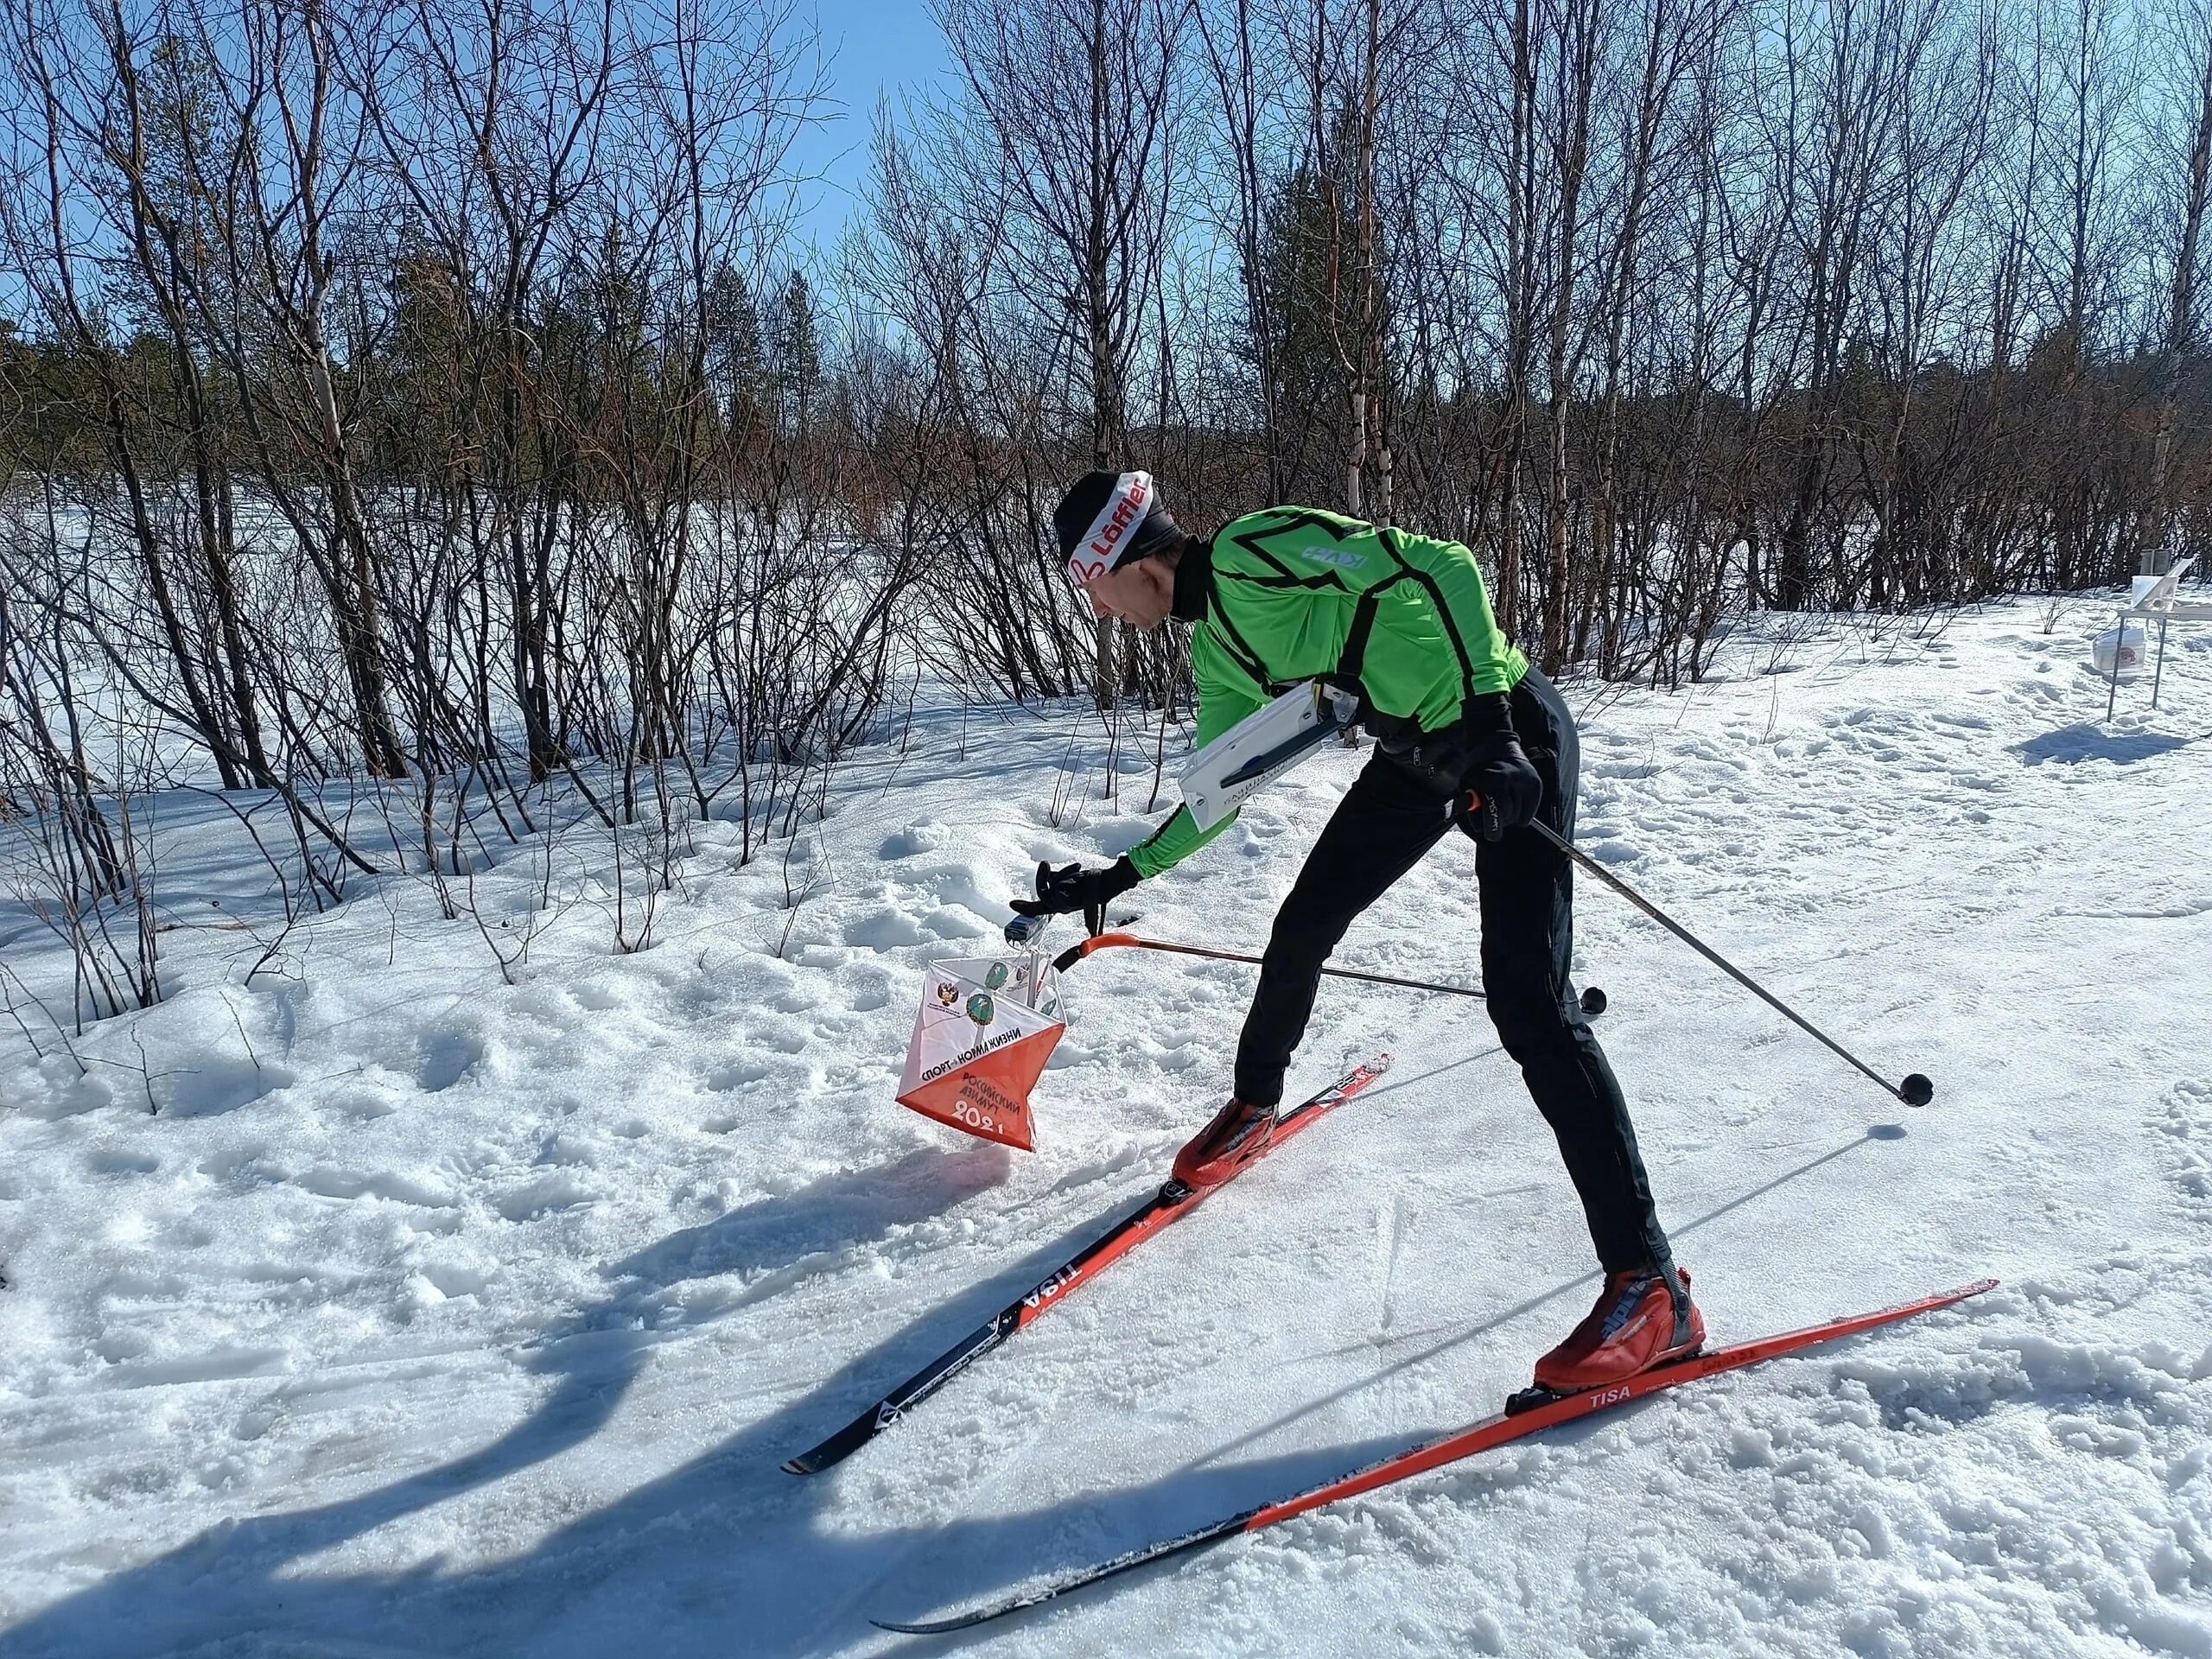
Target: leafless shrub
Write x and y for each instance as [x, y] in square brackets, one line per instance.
[421, 418]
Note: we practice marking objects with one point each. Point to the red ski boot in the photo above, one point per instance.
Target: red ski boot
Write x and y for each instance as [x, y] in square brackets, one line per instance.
[1642, 1320]
[1238, 1134]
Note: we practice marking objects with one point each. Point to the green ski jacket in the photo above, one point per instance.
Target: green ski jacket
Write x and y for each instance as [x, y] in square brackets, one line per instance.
[1297, 593]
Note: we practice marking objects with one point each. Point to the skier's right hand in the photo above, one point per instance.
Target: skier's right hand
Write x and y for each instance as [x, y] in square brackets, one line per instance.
[1503, 788]
[1070, 888]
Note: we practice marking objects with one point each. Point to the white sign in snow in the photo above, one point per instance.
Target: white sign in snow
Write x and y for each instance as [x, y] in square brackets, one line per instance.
[2118, 652]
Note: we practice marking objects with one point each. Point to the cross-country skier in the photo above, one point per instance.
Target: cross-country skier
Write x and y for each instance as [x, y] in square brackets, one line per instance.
[1292, 594]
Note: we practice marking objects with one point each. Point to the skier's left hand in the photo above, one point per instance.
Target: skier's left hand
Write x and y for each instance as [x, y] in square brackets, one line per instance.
[1071, 887]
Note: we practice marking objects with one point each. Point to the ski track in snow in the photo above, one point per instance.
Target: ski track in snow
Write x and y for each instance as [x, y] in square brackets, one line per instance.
[436, 1316]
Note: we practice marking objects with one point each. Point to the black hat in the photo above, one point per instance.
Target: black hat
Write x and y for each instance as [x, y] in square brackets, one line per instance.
[1106, 519]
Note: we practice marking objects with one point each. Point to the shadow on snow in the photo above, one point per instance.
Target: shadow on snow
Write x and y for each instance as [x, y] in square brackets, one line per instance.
[2074, 744]
[726, 1554]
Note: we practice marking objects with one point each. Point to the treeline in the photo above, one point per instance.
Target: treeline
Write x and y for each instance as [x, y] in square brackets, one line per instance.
[1666, 307]
[438, 393]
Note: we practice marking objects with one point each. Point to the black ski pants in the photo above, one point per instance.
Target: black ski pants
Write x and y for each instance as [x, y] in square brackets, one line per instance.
[1384, 823]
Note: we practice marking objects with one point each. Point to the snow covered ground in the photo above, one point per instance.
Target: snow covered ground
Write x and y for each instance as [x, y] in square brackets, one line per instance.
[433, 1315]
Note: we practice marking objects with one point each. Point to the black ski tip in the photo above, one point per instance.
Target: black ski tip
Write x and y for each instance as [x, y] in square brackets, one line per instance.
[1916, 1090]
[1594, 1000]
[928, 1627]
[839, 1447]
[814, 1459]
[834, 1450]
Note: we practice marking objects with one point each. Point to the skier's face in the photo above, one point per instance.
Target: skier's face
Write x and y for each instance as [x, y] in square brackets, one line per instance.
[1140, 595]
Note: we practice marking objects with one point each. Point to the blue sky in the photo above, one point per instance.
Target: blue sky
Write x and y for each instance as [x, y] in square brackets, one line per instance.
[871, 45]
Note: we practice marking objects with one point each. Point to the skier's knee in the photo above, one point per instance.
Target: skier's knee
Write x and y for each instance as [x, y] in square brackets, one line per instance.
[1301, 943]
[1529, 1026]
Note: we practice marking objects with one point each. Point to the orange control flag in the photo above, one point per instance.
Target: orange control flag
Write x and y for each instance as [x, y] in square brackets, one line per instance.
[986, 1027]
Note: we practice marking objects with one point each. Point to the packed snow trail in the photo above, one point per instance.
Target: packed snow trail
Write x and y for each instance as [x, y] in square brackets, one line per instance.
[1170, 1204]
[1531, 1411]
[435, 1316]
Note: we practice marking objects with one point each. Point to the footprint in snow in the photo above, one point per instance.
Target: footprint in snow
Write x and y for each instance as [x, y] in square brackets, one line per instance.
[117, 1160]
[866, 998]
[883, 930]
[916, 838]
[219, 1085]
[723, 1079]
[544, 1196]
[451, 1279]
[365, 1105]
[448, 1057]
[328, 1182]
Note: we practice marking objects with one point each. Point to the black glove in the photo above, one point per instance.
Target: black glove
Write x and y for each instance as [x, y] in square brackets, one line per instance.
[1503, 791]
[1071, 887]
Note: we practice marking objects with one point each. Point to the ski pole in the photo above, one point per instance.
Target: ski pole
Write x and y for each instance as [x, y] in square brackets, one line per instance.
[1594, 1000]
[1915, 1090]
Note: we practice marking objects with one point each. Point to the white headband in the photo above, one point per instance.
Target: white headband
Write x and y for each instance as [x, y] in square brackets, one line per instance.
[1124, 511]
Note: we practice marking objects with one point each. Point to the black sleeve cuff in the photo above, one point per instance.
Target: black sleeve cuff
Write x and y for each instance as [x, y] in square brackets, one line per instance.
[1487, 713]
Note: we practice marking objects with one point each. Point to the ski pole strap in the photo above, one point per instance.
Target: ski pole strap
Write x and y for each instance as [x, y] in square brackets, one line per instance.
[1077, 952]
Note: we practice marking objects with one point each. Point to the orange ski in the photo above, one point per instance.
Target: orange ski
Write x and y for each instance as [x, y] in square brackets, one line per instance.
[1482, 1437]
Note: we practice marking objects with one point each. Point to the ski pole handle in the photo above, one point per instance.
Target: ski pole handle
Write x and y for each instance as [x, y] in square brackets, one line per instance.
[1485, 812]
[1083, 948]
